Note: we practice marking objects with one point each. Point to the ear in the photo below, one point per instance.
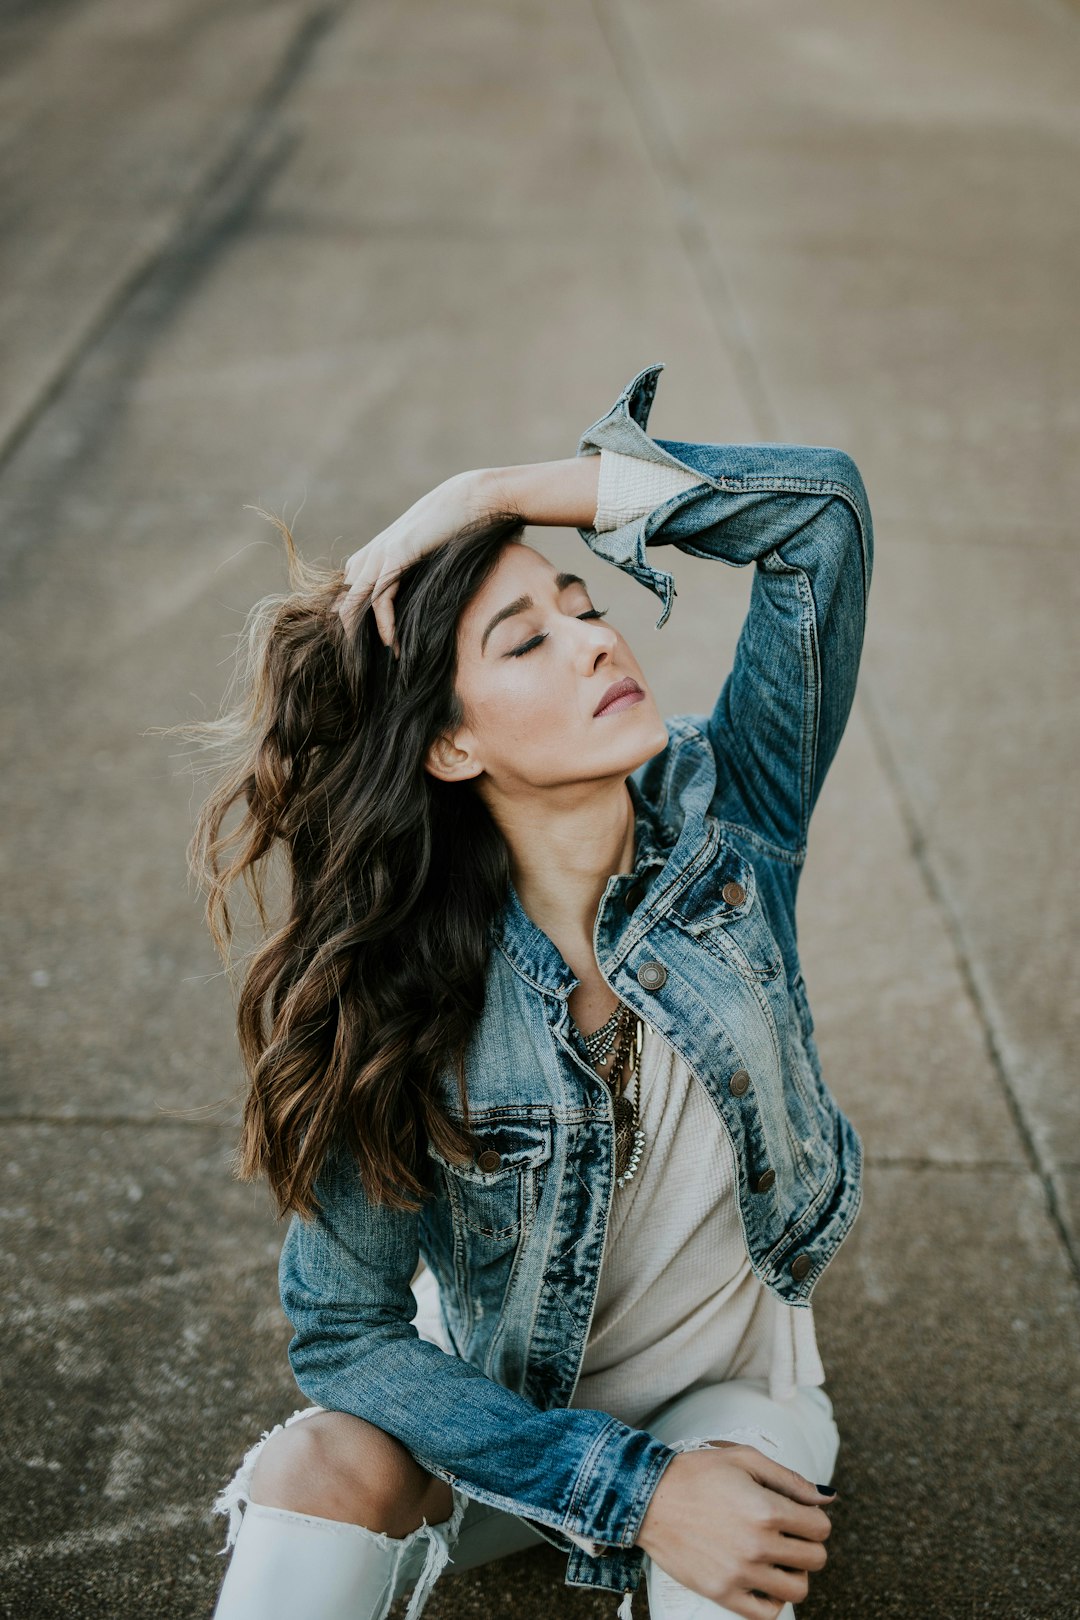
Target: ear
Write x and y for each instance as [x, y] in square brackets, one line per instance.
[450, 759]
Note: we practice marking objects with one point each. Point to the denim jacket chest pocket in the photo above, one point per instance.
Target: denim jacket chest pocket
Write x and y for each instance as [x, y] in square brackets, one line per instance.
[722, 911]
[495, 1194]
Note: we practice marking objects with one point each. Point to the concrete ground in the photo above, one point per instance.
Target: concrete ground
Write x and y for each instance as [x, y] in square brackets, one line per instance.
[318, 256]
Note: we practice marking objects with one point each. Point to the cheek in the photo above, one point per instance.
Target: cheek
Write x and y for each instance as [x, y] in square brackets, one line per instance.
[525, 714]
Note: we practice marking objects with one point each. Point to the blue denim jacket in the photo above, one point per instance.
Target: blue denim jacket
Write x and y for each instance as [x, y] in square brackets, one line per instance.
[699, 938]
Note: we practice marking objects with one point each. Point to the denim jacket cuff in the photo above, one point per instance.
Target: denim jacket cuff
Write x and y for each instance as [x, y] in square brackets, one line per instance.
[615, 1487]
[622, 429]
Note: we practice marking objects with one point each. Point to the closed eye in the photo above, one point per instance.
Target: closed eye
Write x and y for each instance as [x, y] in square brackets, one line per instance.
[534, 641]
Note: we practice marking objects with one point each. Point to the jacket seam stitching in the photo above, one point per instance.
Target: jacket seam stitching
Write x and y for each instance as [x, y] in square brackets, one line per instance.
[585, 1478]
[793, 857]
[648, 1484]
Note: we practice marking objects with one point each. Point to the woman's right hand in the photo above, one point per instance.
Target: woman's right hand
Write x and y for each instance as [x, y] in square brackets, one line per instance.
[729, 1522]
[372, 572]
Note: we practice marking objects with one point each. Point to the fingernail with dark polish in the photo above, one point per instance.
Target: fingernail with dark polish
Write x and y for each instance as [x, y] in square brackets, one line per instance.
[826, 1490]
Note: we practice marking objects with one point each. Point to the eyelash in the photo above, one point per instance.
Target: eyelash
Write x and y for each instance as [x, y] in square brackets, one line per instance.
[527, 646]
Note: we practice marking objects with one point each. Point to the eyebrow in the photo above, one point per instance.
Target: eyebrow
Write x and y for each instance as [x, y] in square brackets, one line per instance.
[521, 603]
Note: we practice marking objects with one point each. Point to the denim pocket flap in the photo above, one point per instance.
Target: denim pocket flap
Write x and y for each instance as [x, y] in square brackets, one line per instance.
[724, 892]
[504, 1146]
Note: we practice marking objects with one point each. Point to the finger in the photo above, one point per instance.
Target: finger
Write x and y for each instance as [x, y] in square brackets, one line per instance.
[780, 1585]
[784, 1480]
[382, 603]
[348, 607]
[363, 569]
[795, 1552]
[792, 1519]
[756, 1606]
[366, 560]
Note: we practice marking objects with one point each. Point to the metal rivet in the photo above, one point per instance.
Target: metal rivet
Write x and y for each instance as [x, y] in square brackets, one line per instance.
[652, 975]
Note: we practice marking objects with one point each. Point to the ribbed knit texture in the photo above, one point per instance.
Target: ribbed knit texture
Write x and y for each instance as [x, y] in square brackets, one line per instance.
[678, 1303]
[629, 487]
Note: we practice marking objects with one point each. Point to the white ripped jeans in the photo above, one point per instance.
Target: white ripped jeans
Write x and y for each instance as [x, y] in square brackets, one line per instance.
[295, 1566]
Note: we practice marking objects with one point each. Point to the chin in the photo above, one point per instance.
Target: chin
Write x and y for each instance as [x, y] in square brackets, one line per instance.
[653, 739]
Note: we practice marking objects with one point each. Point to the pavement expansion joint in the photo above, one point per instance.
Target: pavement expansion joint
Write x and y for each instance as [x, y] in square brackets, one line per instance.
[937, 890]
[717, 293]
[901, 1161]
[112, 1121]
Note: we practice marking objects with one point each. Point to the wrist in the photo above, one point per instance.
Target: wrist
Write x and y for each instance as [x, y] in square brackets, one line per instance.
[654, 1509]
[489, 491]
[551, 493]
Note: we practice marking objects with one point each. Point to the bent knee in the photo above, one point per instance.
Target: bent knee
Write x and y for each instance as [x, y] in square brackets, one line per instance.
[338, 1466]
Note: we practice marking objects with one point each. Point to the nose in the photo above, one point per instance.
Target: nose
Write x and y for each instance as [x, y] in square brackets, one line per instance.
[599, 641]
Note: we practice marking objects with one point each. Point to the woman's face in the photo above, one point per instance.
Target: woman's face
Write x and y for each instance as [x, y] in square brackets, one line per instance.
[535, 665]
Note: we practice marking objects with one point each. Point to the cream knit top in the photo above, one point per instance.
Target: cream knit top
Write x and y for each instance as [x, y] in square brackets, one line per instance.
[629, 488]
[678, 1304]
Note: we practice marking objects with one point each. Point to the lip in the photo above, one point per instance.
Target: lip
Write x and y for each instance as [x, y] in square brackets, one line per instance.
[627, 688]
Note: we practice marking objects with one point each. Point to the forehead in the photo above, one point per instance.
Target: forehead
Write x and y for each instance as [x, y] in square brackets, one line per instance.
[518, 563]
[521, 570]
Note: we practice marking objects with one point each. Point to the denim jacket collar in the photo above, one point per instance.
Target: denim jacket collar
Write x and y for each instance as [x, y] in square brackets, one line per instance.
[664, 849]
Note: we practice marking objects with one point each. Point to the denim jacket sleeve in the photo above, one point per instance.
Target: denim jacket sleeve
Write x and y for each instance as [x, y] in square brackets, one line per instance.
[345, 1287]
[801, 514]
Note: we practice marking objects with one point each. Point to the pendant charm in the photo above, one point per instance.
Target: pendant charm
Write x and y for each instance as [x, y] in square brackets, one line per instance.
[629, 1141]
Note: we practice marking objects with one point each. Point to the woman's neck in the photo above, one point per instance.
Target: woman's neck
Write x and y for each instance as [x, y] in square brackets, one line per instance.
[562, 853]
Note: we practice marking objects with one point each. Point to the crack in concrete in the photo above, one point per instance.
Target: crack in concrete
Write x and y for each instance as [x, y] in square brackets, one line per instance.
[900, 1161]
[718, 295]
[190, 223]
[938, 893]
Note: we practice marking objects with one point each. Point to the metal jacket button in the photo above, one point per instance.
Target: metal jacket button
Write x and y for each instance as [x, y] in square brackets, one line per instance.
[652, 975]
[633, 896]
[733, 893]
[765, 1181]
[800, 1266]
[489, 1159]
[739, 1083]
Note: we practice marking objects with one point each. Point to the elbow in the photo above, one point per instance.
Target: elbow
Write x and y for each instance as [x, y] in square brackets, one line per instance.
[324, 1342]
[842, 471]
[322, 1361]
[312, 1352]
[840, 468]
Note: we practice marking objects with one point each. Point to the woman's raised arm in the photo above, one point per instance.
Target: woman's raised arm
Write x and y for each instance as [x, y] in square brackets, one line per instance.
[800, 513]
[543, 492]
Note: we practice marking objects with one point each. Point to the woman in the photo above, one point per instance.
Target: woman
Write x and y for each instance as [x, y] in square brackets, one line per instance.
[531, 1057]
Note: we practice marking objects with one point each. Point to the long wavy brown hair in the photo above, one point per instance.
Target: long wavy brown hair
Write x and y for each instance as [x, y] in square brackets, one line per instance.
[370, 983]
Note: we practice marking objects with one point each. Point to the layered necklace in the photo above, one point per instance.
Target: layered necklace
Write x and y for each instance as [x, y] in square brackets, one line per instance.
[618, 1039]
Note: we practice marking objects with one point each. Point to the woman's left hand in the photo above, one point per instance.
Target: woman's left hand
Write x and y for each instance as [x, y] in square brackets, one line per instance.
[372, 572]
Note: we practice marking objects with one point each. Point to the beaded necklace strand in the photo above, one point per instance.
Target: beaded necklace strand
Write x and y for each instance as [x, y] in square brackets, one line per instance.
[620, 1037]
